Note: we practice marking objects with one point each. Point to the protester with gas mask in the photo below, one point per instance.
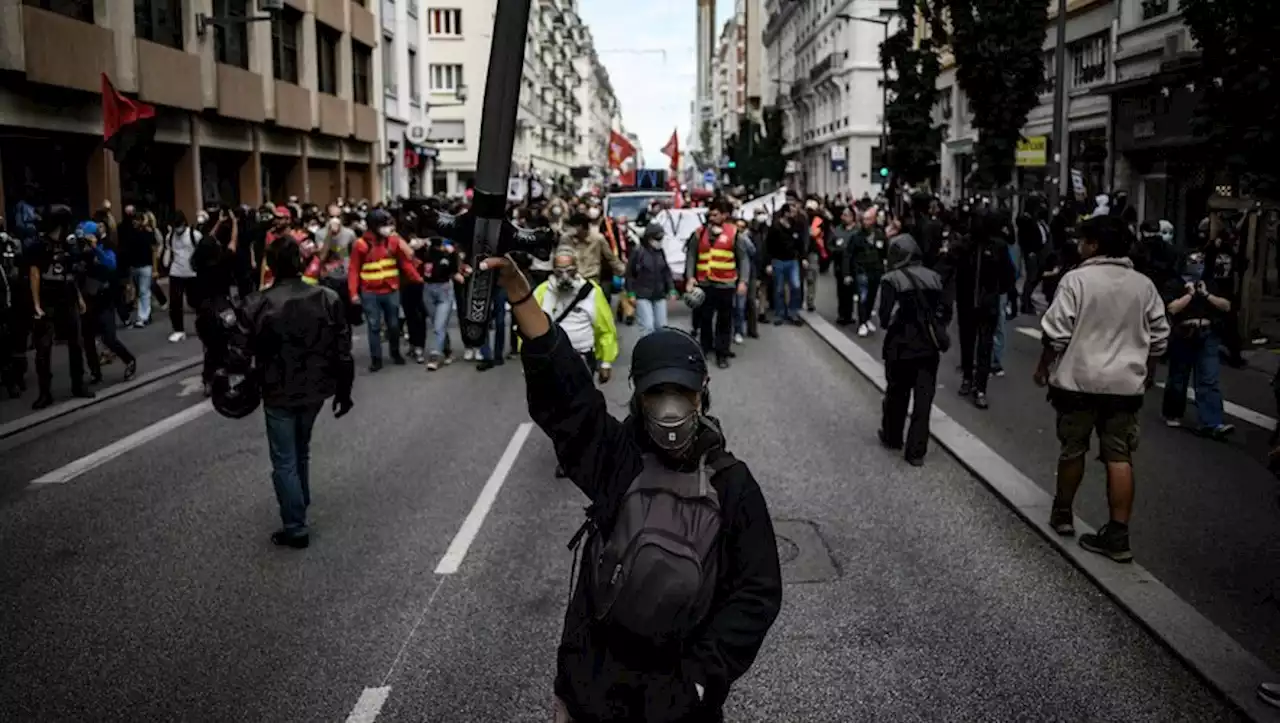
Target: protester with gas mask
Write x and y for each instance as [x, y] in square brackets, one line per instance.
[650, 636]
[649, 281]
[1197, 311]
[373, 279]
[581, 309]
[57, 265]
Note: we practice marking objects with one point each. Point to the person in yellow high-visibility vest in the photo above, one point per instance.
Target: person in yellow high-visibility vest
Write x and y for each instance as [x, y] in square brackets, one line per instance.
[716, 261]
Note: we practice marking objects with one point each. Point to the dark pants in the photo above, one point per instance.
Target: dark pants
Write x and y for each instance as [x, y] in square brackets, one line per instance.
[867, 299]
[289, 443]
[179, 296]
[61, 318]
[15, 332]
[590, 359]
[99, 322]
[977, 335]
[212, 335]
[753, 311]
[716, 313]
[415, 313]
[907, 378]
[499, 327]
[845, 293]
[1031, 263]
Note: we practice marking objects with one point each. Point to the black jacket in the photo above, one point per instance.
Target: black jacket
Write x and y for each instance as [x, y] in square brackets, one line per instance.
[648, 275]
[786, 243]
[295, 337]
[599, 675]
[981, 273]
[903, 288]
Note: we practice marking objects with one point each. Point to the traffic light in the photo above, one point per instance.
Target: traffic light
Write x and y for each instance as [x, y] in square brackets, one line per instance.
[884, 171]
[733, 163]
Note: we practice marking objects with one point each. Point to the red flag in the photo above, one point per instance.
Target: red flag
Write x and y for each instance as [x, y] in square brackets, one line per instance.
[628, 177]
[126, 124]
[672, 150]
[620, 149]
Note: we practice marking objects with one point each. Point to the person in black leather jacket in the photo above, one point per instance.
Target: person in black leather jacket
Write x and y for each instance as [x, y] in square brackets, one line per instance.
[295, 379]
[981, 275]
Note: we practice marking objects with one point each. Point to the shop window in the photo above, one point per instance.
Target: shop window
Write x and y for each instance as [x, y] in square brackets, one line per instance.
[159, 21]
[231, 40]
[286, 28]
[327, 59]
[81, 10]
[362, 71]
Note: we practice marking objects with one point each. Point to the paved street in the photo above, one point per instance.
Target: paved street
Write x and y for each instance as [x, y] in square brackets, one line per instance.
[145, 587]
[1206, 517]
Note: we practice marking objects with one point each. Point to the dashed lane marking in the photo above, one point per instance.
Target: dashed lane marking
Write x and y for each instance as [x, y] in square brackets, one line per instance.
[1244, 414]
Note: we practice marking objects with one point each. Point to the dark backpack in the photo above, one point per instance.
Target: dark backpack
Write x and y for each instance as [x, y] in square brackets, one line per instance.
[655, 574]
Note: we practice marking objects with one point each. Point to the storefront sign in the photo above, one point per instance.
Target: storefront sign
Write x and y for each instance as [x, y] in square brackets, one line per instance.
[1033, 152]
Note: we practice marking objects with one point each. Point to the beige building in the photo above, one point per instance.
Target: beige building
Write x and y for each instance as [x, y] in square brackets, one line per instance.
[246, 111]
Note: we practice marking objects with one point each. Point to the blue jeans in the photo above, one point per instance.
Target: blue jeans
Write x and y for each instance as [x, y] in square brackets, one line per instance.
[499, 344]
[1194, 356]
[378, 307]
[997, 346]
[289, 442]
[651, 315]
[141, 276]
[786, 274]
[438, 299]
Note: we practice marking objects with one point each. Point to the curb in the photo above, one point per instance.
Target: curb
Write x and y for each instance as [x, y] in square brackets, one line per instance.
[57, 411]
[1203, 646]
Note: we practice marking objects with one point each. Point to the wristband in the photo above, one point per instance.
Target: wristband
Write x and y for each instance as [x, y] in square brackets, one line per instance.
[526, 297]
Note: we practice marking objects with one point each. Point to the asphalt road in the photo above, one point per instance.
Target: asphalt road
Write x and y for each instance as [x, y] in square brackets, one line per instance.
[146, 588]
[1206, 518]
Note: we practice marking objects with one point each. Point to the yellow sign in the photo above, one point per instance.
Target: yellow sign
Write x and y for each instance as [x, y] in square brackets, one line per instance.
[1033, 152]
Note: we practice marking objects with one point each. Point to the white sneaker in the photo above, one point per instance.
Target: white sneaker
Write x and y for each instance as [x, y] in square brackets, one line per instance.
[469, 355]
[871, 327]
[737, 339]
[862, 330]
[176, 337]
[1173, 423]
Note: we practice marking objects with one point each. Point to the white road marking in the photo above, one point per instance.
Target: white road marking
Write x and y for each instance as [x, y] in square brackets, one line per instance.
[191, 385]
[70, 471]
[1244, 414]
[369, 705]
[471, 526]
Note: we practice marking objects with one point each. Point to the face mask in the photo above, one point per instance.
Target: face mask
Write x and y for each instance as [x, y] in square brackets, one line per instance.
[555, 212]
[202, 218]
[670, 419]
[386, 231]
[593, 214]
[314, 228]
[565, 277]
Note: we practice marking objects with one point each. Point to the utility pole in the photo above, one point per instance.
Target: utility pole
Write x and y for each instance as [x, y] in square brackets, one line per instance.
[1061, 149]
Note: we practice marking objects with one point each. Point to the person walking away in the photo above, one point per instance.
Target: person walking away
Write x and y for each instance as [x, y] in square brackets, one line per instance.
[99, 290]
[373, 279]
[842, 262]
[1196, 313]
[649, 281]
[1102, 336]
[441, 270]
[787, 244]
[869, 252]
[216, 263]
[817, 252]
[982, 274]
[138, 251]
[1033, 241]
[914, 316]
[295, 339]
[57, 304]
[716, 262]
[759, 289]
[650, 638]
[182, 243]
[742, 303]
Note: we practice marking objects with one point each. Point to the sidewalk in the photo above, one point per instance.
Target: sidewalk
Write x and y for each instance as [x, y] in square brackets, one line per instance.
[150, 345]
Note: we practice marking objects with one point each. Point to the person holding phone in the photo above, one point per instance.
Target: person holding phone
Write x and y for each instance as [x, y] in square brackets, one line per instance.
[1197, 313]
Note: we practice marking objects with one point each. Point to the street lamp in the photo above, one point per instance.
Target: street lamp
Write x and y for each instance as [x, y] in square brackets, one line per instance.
[884, 92]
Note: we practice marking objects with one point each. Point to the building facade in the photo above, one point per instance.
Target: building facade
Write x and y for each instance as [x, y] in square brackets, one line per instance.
[729, 82]
[246, 111]
[828, 74]
[703, 99]
[459, 36]
[401, 66]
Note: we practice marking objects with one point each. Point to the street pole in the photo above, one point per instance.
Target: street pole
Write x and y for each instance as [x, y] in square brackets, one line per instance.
[484, 230]
[1060, 145]
[884, 120]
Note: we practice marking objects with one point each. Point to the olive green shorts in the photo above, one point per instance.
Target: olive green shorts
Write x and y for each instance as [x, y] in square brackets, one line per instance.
[1116, 426]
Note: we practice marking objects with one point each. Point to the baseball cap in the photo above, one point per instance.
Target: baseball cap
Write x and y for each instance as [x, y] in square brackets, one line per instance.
[283, 212]
[668, 356]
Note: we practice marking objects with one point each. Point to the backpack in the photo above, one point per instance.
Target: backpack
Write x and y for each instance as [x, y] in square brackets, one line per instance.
[655, 574]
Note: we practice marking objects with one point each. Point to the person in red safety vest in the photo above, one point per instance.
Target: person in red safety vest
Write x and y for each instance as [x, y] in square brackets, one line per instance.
[716, 262]
[817, 252]
[373, 280]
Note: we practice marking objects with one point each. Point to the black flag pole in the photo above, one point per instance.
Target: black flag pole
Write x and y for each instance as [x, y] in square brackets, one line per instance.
[484, 230]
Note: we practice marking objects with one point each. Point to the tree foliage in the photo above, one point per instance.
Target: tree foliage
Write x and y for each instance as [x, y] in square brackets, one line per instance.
[998, 47]
[1240, 111]
[914, 138]
[756, 150]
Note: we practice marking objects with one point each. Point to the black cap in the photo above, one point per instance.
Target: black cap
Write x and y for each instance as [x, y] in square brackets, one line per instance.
[668, 356]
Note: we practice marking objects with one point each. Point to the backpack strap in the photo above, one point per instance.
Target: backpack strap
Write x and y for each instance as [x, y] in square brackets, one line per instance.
[583, 293]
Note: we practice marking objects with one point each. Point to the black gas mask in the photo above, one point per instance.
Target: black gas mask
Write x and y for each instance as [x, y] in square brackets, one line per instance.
[671, 419]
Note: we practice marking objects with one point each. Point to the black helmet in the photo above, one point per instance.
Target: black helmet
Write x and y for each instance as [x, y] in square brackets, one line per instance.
[378, 217]
[235, 396]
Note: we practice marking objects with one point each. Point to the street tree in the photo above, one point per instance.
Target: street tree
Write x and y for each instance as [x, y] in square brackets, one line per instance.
[914, 137]
[1239, 114]
[999, 52]
[756, 150]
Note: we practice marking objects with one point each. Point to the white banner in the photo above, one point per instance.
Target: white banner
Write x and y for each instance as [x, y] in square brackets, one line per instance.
[769, 203]
[677, 226]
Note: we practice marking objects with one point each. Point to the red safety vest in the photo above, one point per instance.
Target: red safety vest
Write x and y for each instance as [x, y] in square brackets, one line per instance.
[717, 262]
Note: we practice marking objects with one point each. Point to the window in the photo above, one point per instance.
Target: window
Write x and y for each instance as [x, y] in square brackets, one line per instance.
[231, 40]
[286, 27]
[415, 86]
[444, 21]
[445, 78]
[327, 59]
[159, 21]
[362, 71]
[449, 132]
[1088, 60]
[1154, 8]
[81, 10]
[390, 86]
[413, 8]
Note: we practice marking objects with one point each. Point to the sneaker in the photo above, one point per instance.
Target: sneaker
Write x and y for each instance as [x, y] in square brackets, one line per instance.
[777, 322]
[433, 365]
[375, 366]
[966, 388]
[998, 371]
[1220, 432]
[485, 365]
[130, 370]
[863, 330]
[871, 327]
[95, 379]
[811, 308]
[886, 442]
[737, 339]
[397, 360]
[1110, 541]
[980, 400]
[418, 355]
[797, 321]
[722, 363]
[469, 355]
[1063, 521]
[42, 401]
[177, 336]
[1173, 423]
[448, 359]
[915, 461]
[285, 539]
[1269, 693]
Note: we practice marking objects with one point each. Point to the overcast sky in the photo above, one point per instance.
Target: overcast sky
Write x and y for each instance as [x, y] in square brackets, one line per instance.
[655, 95]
